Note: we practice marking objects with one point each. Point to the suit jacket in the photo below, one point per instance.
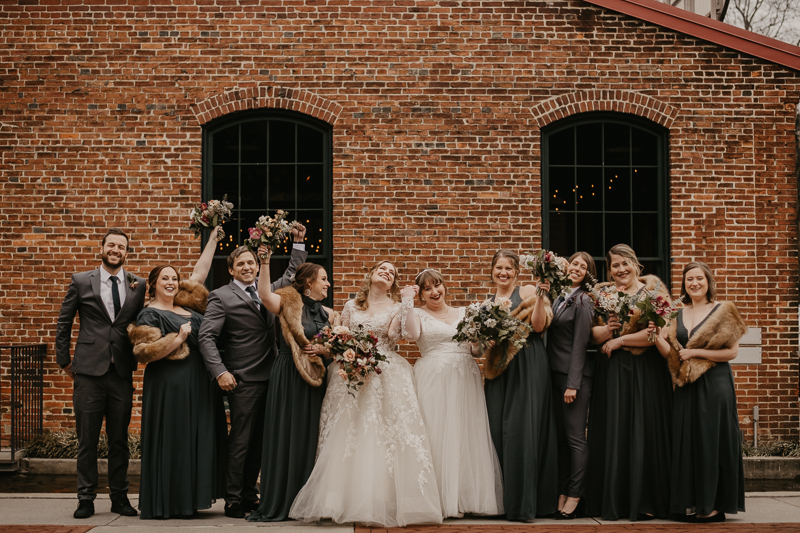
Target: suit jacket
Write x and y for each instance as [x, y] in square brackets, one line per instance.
[568, 338]
[233, 321]
[99, 339]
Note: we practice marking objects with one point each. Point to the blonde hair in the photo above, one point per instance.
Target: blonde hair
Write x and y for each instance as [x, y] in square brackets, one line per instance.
[627, 252]
[363, 294]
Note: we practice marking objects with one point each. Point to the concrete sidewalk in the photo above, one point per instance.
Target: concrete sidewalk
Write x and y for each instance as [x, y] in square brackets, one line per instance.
[56, 510]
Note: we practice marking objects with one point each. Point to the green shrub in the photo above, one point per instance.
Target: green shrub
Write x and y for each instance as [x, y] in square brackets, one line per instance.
[775, 449]
[64, 445]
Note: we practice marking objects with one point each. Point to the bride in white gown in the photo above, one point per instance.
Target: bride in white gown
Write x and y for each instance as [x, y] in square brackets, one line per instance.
[452, 402]
[373, 458]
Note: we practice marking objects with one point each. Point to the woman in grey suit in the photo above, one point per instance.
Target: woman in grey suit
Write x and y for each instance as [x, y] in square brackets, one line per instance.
[571, 371]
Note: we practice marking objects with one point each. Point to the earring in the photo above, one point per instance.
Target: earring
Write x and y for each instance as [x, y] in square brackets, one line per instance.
[307, 292]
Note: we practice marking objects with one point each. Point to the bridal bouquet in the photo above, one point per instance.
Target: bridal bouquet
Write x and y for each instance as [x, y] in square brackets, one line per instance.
[612, 300]
[271, 231]
[209, 215]
[491, 321]
[548, 266]
[658, 309]
[356, 352]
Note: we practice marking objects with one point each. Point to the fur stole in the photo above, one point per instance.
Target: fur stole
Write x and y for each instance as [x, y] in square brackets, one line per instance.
[500, 356]
[148, 343]
[311, 367]
[651, 282]
[722, 329]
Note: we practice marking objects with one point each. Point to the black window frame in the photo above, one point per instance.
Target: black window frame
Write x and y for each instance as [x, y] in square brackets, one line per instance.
[243, 117]
[662, 173]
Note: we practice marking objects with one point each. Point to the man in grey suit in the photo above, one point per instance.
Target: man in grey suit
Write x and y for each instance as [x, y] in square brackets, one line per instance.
[107, 300]
[236, 319]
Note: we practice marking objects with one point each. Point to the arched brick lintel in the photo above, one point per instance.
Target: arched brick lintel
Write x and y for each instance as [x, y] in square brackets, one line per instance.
[570, 104]
[266, 97]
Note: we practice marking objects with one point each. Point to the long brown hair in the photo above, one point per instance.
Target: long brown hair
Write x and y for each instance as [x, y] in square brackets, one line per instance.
[363, 293]
[711, 295]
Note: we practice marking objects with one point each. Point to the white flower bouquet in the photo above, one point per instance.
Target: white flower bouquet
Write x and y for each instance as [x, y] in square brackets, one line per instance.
[271, 231]
[548, 266]
[491, 321]
[210, 215]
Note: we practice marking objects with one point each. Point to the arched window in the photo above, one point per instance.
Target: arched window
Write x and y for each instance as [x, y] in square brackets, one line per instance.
[604, 182]
[267, 160]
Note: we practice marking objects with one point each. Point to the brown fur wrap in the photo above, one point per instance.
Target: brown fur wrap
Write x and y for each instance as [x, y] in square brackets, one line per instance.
[148, 344]
[310, 367]
[651, 282]
[722, 329]
[192, 295]
[500, 356]
[147, 341]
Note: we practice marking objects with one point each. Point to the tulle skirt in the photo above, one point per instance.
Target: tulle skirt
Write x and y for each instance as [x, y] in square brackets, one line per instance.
[373, 460]
[454, 410]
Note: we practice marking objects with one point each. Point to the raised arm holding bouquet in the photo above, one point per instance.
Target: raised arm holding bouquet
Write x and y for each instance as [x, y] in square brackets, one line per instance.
[549, 268]
[211, 214]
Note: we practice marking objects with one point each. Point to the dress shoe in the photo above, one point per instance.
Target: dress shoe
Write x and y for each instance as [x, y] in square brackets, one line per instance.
[234, 510]
[642, 517]
[121, 505]
[249, 506]
[719, 517]
[85, 509]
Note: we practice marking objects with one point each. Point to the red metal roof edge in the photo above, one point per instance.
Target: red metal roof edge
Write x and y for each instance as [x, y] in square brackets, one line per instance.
[707, 29]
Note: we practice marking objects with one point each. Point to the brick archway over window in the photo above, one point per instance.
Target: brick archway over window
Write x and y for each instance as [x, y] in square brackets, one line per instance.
[266, 97]
[570, 104]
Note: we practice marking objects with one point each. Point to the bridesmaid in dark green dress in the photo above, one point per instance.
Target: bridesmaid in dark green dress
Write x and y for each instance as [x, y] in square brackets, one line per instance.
[630, 413]
[707, 475]
[294, 400]
[183, 418]
[520, 409]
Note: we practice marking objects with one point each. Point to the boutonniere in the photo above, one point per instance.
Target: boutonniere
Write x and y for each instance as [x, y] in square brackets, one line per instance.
[132, 281]
[568, 302]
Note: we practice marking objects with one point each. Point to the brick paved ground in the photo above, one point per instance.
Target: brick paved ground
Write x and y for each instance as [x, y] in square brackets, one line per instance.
[599, 528]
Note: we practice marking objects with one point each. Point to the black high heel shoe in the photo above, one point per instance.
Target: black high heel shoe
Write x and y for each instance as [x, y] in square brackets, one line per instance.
[576, 513]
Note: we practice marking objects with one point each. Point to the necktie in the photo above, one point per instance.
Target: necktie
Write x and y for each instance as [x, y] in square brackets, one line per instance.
[254, 295]
[115, 294]
[558, 303]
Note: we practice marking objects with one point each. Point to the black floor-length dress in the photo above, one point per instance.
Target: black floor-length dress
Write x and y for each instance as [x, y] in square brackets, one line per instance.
[291, 426]
[522, 423]
[183, 428]
[707, 466]
[629, 436]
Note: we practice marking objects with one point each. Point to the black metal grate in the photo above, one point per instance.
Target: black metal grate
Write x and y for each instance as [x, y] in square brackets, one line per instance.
[27, 384]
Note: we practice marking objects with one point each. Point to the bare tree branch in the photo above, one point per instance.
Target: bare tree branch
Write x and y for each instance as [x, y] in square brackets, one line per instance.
[779, 19]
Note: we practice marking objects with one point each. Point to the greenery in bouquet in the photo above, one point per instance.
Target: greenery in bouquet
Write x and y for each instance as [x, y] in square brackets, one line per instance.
[356, 352]
[210, 215]
[657, 309]
[548, 267]
[271, 231]
[491, 321]
[608, 300]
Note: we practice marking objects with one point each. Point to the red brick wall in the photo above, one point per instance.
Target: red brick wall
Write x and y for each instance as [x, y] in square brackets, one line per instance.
[437, 109]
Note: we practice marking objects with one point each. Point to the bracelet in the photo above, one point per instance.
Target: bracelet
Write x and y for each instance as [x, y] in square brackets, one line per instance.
[623, 340]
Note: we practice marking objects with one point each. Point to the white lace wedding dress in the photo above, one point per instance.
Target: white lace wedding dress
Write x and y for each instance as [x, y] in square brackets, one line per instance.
[453, 406]
[373, 459]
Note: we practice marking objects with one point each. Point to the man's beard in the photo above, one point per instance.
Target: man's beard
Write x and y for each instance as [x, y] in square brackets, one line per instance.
[109, 265]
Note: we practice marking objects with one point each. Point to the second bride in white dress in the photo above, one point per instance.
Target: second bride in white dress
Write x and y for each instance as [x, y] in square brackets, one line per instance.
[452, 402]
[373, 458]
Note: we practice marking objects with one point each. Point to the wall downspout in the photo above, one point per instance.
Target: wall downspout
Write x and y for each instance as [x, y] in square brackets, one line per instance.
[797, 215]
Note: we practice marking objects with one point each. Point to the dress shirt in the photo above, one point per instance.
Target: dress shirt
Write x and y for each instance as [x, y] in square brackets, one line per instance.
[105, 289]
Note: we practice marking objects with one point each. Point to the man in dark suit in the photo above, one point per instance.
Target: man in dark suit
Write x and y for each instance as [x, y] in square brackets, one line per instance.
[107, 300]
[237, 320]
